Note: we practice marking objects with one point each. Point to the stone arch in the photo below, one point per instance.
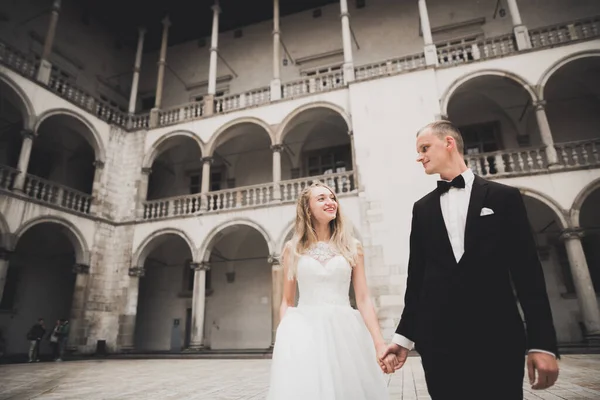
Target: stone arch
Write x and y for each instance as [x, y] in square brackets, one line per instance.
[447, 96]
[156, 148]
[25, 106]
[319, 104]
[580, 200]
[220, 230]
[82, 252]
[149, 244]
[558, 65]
[553, 205]
[215, 139]
[94, 138]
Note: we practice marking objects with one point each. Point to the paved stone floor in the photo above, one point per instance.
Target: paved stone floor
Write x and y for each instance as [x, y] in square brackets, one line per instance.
[229, 380]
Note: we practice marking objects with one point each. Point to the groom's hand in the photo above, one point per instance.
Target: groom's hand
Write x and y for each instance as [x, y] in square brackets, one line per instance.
[400, 352]
[546, 367]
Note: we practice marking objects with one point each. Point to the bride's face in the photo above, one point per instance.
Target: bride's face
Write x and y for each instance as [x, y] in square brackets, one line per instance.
[322, 205]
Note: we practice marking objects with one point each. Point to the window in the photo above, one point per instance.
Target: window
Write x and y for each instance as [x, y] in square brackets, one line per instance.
[148, 103]
[328, 161]
[200, 97]
[216, 178]
[321, 70]
[195, 184]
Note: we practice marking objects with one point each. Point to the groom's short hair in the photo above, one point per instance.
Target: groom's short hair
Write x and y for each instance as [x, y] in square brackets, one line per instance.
[445, 128]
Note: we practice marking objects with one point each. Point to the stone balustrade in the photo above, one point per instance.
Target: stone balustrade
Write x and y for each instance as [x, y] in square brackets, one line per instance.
[582, 153]
[7, 177]
[59, 195]
[313, 84]
[172, 207]
[251, 98]
[247, 196]
[390, 67]
[586, 28]
[450, 54]
[18, 61]
[341, 183]
[181, 113]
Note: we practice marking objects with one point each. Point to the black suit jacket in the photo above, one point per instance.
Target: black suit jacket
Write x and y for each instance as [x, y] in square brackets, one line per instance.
[453, 306]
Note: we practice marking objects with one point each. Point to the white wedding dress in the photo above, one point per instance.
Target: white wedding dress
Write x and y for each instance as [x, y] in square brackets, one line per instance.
[323, 350]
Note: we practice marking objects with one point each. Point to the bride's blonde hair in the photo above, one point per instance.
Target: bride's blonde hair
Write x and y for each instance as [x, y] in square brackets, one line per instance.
[305, 236]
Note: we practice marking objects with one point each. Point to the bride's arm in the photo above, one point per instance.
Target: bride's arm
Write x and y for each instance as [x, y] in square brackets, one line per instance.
[363, 300]
[289, 285]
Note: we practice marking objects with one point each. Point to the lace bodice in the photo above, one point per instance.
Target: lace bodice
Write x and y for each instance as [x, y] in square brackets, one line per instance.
[323, 277]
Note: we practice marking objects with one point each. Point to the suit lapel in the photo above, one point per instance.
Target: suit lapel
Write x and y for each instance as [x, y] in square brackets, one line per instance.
[439, 229]
[478, 193]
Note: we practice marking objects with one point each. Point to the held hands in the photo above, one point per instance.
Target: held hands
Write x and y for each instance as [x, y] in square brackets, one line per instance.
[391, 358]
[546, 367]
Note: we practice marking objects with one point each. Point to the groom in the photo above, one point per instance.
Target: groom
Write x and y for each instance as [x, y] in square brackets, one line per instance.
[472, 256]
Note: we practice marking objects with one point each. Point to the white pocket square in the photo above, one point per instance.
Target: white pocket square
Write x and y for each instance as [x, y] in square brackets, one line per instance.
[486, 211]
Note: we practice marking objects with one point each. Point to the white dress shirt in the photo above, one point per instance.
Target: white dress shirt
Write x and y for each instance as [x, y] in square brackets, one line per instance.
[454, 204]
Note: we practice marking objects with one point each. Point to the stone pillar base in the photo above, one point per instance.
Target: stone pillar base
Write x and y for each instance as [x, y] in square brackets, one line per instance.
[522, 37]
[209, 104]
[349, 72]
[153, 123]
[44, 71]
[592, 338]
[431, 57]
[276, 89]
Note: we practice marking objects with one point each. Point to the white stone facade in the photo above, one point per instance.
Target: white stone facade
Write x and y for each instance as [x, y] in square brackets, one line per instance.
[173, 220]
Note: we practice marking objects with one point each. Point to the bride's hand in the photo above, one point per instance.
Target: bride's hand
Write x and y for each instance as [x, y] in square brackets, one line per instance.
[387, 361]
[399, 352]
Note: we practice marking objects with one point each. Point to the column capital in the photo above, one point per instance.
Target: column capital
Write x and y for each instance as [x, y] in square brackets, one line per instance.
[276, 32]
[99, 164]
[136, 272]
[146, 170]
[277, 148]
[4, 254]
[166, 21]
[274, 259]
[207, 160]
[216, 9]
[81, 269]
[572, 233]
[201, 266]
[345, 14]
[539, 105]
[56, 5]
[28, 133]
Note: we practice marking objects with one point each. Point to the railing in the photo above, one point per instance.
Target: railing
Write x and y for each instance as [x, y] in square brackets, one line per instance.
[18, 61]
[579, 154]
[7, 177]
[452, 54]
[341, 183]
[140, 121]
[571, 155]
[247, 99]
[390, 67]
[586, 28]
[172, 207]
[247, 196]
[185, 112]
[59, 195]
[313, 84]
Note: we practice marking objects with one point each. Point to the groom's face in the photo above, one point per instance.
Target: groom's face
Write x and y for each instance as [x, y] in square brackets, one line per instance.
[433, 152]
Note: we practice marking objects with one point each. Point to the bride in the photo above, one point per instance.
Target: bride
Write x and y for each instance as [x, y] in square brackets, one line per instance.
[326, 350]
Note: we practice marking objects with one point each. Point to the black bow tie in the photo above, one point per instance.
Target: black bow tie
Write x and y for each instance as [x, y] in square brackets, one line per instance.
[458, 182]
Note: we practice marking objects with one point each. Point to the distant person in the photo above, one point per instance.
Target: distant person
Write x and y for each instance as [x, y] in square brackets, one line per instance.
[54, 340]
[63, 337]
[35, 335]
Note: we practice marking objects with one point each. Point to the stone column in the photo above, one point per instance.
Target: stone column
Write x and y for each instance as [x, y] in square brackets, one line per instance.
[4, 253]
[346, 42]
[45, 69]
[545, 132]
[276, 292]
[28, 136]
[276, 82]
[209, 99]
[277, 149]
[96, 199]
[126, 337]
[162, 61]
[205, 183]
[431, 57]
[77, 333]
[198, 304]
[136, 71]
[584, 287]
[143, 191]
[520, 30]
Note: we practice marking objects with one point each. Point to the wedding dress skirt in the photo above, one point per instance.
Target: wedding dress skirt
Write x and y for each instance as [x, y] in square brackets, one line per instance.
[323, 350]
